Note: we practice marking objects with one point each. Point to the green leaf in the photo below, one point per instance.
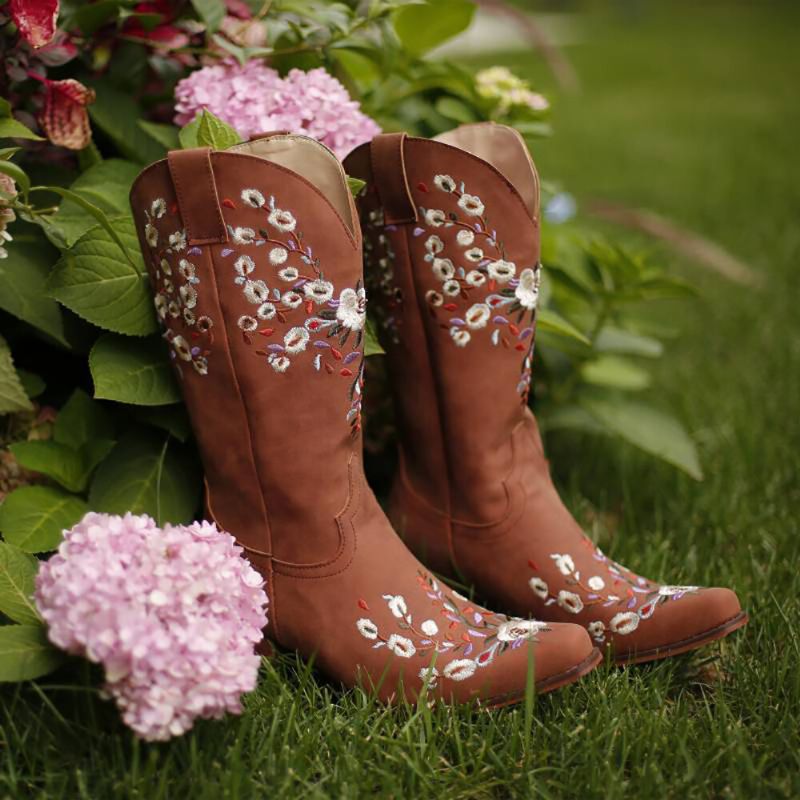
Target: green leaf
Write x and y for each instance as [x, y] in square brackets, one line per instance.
[615, 372]
[215, 133]
[648, 429]
[17, 582]
[97, 283]
[172, 419]
[32, 383]
[34, 517]
[569, 417]
[456, 109]
[211, 12]
[11, 128]
[548, 320]
[187, 135]
[148, 474]
[135, 371]
[81, 421]
[12, 394]
[422, 27]
[106, 185]
[26, 653]
[355, 185]
[57, 461]
[372, 346]
[23, 286]
[166, 135]
[616, 340]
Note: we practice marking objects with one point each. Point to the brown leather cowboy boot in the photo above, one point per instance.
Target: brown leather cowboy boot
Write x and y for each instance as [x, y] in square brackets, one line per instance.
[452, 248]
[255, 260]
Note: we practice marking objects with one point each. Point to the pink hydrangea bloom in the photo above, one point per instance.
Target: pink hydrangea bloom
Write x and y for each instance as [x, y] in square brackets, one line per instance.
[253, 98]
[173, 616]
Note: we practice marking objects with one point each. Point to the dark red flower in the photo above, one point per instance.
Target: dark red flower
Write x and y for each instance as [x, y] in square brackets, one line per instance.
[64, 118]
[162, 35]
[35, 20]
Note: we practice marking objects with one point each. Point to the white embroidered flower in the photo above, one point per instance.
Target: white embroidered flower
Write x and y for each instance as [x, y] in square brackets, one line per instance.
[352, 311]
[296, 340]
[278, 256]
[173, 309]
[669, 591]
[570, 601]
[151, 234]
[168, 288]
[278, 363]
[188, 295]
[445, 183]
[367, 628]
[177, 240]
[166, 267]
[282, 220]
[478, 315]
[429, 627]
[318, 290]
[435, 218]
[161, 305]
[540, 588]
[460, 669]
[624, 623]
[528, 290]
[205, 323]
[596, 583]
[502, 271]
[266, 311]
[397, 604]
[564, 564]
[429, 676]
[465, 237]
[451, 288]
[247, 323]
[200, 365]
[243, 235]
[474, 254]
[434, 298]
[186, 269]
[244, 265]
[256, 292]
[401, 646]
[289, 274]
[597, 629]
[471, 205]
[158, 208]
[253, 198]
[516, 629]
[443, 268]
[434, 245]
[292, 299]
[460, 337]
[188, 317]
[475, 278]
[182, 348]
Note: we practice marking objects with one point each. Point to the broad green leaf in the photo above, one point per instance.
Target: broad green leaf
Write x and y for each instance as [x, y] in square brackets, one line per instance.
[214, 133]
[57, 461]
[34, 517]
[23, 285]
[12, 393]
[148, 474]
[648, 429]
[569, 417]
[17, 582]
[422, 27]
[26, 653]
[106, 185]
[166, 135]
[187, 135]
[616, 340]
[11, 128]
[32, 383]
[81, 421]
[355, 185]
[615, 372]
[372, 347]
[455, 109]
[549, 320]
[174, 419]
[211, 12]
[135, 371]
[97, 283]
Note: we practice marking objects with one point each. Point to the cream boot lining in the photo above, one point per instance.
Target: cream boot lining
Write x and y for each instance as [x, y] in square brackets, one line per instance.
[310, 159]
[505, 150]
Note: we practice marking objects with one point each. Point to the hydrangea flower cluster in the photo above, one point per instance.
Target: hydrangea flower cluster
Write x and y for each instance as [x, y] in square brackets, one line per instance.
[254, 98]
[508, 91]
[172, 614]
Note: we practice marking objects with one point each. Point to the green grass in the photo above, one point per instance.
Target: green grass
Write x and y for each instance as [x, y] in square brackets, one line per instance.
[693, 114]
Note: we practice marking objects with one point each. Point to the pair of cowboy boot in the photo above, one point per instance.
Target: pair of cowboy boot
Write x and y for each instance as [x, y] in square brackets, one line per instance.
[255, 259]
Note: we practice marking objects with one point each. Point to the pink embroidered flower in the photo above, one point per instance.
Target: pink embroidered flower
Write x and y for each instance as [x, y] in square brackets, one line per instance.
[254, 98]
[173, 616]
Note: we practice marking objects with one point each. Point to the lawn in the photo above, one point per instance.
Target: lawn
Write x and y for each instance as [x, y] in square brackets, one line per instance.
[691, 112]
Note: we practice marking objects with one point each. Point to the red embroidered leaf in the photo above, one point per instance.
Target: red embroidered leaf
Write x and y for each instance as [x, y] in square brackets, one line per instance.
[514, 329]
[363, 604]
[422, 187]
[228, 203]
[64, 118]
[35, 20]
[346, 373]
[532, 564]
[336, 354]
[267, 331]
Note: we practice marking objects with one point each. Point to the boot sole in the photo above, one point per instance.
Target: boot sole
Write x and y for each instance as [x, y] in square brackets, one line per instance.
[684, 645]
